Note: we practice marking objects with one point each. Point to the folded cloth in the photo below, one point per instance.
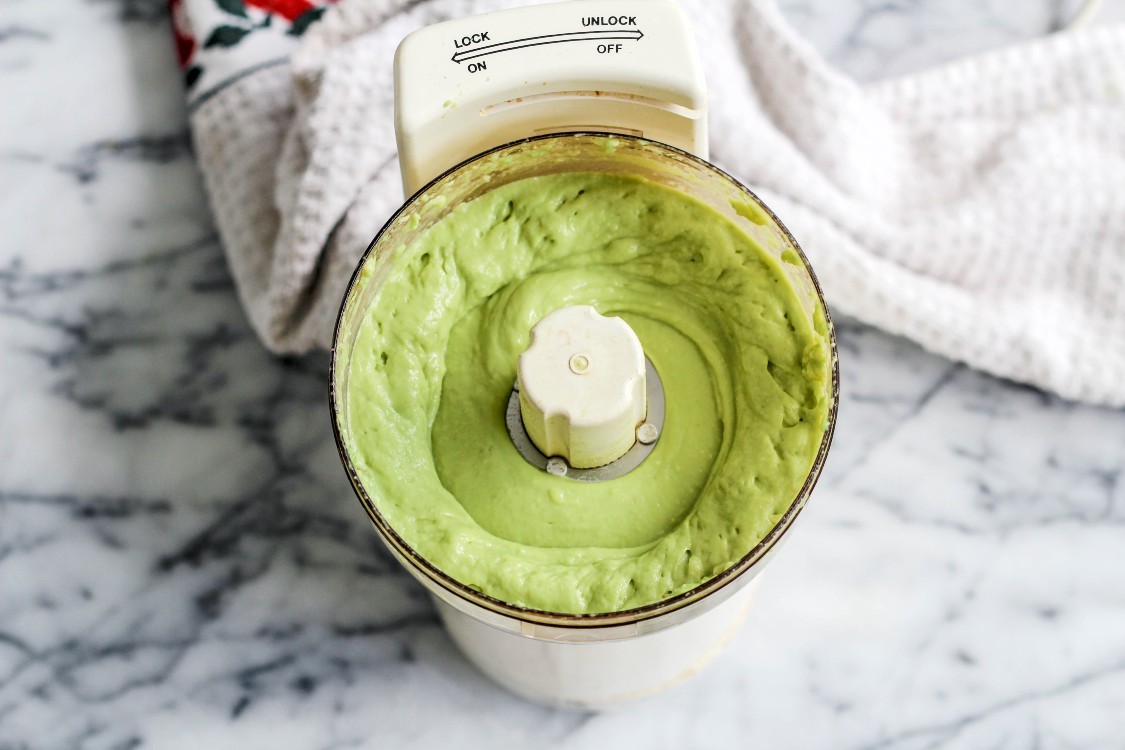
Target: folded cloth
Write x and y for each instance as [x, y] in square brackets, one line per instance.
[977, 208]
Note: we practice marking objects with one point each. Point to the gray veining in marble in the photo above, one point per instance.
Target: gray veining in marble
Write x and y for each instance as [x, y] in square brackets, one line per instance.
[183, 564]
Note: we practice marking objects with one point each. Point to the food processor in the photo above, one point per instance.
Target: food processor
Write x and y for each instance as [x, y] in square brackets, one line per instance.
[594, 87]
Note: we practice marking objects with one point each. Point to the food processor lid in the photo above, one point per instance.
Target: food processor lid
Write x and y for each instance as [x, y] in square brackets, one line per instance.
[465, 86]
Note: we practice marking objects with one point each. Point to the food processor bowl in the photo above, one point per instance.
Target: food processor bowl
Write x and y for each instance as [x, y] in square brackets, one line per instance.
[586, 660]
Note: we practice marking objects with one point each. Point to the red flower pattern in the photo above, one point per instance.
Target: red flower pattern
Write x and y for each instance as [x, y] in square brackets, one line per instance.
[181, 32]
[232, 25]
[290, 10]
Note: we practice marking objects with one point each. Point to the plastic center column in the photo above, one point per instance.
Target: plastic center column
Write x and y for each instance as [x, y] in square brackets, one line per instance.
[582, 386]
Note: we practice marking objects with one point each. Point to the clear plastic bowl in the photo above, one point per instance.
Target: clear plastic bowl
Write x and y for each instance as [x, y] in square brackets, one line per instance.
[548, 154]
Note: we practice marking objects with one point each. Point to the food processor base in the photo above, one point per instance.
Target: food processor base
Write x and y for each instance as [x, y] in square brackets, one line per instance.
[598, 675]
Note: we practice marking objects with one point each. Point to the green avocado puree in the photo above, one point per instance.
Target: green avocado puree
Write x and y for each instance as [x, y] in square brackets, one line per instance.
[745, 374]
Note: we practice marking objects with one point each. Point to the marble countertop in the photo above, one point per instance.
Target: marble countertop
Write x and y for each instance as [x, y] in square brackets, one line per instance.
[183, 563]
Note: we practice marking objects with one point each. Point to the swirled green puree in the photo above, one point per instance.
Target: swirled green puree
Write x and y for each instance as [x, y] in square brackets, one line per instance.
[744, 372]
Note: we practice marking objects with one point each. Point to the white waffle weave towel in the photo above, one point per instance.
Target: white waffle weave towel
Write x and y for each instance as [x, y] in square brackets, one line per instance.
[977, 208]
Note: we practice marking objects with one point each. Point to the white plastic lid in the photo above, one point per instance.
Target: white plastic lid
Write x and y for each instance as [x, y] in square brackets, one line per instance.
[470, 84]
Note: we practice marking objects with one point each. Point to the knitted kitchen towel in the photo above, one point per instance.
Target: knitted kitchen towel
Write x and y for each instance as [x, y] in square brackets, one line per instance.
[978, 208]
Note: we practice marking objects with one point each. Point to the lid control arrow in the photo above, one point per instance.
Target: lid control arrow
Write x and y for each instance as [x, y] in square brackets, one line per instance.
[535, 41]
